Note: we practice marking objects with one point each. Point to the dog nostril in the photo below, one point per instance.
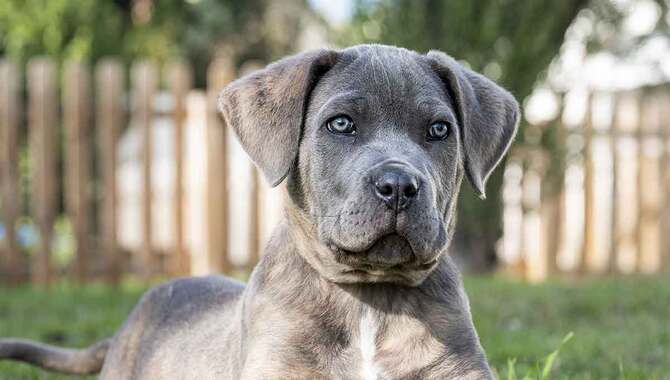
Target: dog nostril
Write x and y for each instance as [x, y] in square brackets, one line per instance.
[384, 189]
[410, 189]
[409, 192]
[408, 186]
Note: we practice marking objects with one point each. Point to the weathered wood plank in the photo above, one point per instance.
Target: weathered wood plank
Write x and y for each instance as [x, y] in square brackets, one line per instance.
[180, 78]
[145, 79]
[650, 193]
[664, 103]
[663, 133]
[219, 73]
[588, 249]
[534, 252]
[626, 198]
[614, 224]
[10, 108]
[43, 126]
[78, 158]
[109, 119]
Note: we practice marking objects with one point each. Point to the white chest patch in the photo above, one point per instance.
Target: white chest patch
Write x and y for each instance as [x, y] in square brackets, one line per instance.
[367, 336]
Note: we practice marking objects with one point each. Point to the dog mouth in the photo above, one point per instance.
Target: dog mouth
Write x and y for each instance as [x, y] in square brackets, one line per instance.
[389, 255]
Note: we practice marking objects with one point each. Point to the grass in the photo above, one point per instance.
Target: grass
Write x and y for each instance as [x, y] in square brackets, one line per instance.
[66, 315]
[620, 326]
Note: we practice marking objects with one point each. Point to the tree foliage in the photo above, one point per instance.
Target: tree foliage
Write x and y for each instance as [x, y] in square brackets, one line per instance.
[153, 29]
[58, 28]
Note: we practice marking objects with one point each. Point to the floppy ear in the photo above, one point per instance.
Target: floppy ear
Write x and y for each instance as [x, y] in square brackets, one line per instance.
[266, 109]
[488, 117]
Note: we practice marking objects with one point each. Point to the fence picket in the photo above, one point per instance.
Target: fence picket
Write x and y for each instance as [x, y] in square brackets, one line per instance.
[43, 125]
[145, 80]
[78, 155]
[611, 267]
[109, 118]
[553, 202]
[180, 78]
[664, 104]
[649, 179]
[10, 108]
[628, 215]
[588, 249]
[219, 73]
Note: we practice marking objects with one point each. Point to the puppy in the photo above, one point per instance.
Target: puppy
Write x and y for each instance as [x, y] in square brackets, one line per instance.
[356, 283]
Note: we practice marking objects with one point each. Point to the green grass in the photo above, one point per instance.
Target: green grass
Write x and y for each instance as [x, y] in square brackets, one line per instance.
[621, 326]
[66, 315]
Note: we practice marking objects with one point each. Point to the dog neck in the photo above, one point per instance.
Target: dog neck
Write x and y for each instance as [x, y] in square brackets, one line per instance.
[377, 323]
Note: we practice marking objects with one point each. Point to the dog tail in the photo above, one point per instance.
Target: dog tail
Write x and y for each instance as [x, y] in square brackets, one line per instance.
[86, 361]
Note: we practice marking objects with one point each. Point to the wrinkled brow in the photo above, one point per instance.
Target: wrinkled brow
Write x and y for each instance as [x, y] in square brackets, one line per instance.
[348, 100]
[436, 108]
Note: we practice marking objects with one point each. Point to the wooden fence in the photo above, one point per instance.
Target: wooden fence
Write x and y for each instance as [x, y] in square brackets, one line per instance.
[605, 208]
[65, 122]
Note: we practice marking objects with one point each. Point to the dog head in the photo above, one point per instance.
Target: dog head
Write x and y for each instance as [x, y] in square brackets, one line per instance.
[374, 141]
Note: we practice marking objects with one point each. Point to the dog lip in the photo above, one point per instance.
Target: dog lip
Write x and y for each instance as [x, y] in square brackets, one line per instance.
[338, 249]
[354, 264]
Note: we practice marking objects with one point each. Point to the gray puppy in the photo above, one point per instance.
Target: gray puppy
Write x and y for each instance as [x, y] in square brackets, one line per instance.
[373, 142]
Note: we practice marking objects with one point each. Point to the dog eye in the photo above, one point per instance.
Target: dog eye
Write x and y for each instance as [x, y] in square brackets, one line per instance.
[439, 130]
[342, 125]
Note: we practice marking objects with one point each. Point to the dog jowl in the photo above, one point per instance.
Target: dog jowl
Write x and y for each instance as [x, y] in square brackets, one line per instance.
[374, 141]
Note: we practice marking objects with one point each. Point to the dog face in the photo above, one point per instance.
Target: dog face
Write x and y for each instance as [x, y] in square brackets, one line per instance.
[375, 141]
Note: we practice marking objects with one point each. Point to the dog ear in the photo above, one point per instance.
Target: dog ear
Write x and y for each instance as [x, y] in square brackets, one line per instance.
[266, 109]
[488, 117]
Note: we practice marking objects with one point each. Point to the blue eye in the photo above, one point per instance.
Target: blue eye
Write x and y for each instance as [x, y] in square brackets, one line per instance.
[341, 125]
[439, 131]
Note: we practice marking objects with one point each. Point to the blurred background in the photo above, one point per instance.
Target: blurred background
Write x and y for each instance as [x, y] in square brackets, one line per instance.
[114, 165]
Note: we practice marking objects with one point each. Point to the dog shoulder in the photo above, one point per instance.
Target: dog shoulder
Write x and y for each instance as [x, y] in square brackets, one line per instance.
[160, 315]
[188, 296]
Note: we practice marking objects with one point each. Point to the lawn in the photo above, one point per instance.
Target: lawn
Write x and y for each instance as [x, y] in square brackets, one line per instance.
[621, 325]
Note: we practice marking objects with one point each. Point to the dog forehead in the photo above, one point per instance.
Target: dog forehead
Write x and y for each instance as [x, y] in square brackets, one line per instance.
[382, 72]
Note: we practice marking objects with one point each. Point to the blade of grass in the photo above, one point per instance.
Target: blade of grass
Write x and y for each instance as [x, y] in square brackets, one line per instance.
[511, 372]
[549, 361]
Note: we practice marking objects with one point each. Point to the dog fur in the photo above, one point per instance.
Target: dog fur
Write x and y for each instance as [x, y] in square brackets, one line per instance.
[349, 287]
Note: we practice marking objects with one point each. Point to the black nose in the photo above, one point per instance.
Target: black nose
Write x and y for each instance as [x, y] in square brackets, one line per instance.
[396, 188]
